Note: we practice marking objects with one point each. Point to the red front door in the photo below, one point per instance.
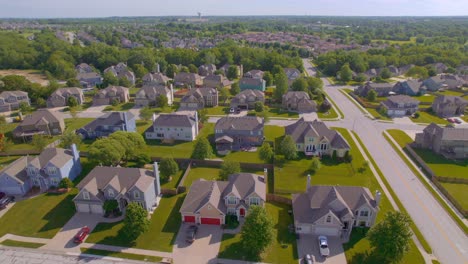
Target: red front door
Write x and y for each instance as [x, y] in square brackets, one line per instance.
[210, 221]
[189, 219]
[242, 212]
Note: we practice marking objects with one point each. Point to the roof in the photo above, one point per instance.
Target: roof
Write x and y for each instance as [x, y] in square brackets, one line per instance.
[152, 91]
[156, 77]
[445, 99]
[301, 129]
[57, 156]
[67, 91]
[116, 89]
[7, 94]
[250, 123]
[41, 116]
[248, 93]
[413, 85]
[251, 81]
[87, 75]
[174, 120]
[16, 169]
[296, 95]
[108, 119]
[398, 99]
[447, 133]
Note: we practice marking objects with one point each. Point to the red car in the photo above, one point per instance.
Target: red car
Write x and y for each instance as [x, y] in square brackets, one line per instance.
[81, 235]
[451, 120]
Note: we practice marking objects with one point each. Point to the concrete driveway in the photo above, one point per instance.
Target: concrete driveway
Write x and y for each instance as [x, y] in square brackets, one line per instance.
[204, 249]
[308, 244]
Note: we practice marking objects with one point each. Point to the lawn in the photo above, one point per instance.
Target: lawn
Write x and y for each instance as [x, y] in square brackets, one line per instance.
[120, 107]
[114, 254]
[243, 156]
[427, 118]
[174, 181]
[425, 98]
[14, 243]
[5, 161]
[273, 132]
[377, 115]
[397, 42]
[458, 191]
[206, 173]
[161, 235]
[330, 114]
[41, 216]
[217, 110]
[282, 250]
[76, 123]
[400, 137]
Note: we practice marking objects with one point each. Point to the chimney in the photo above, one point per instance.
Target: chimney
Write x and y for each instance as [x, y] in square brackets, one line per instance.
[171, 87]
[157, 67]
[154, 117]
[265, 174]
[125, 128]
[308, 182]
[378, 196]
[157, 186]
[196, 123]
[76, 154]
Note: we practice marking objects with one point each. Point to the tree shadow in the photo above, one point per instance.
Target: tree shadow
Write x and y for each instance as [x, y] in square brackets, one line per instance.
[173, 222]
[236, 251]
[60, 214]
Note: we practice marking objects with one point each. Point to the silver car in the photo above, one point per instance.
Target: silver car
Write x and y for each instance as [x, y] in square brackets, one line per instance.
[323, 246]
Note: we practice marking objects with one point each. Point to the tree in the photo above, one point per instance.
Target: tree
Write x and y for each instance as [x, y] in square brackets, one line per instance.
[265, 114]
[315, 165]
[281, 81]
[235, 89]
[125, 82]
[106, 151]
[184, 69]
[69, 138]
[259, 106]
[385, 73]
[162, 101]
[265, 152]
[73, 82]
[168, 167]
[300, 84]
[172, 70]
[24, 107]
[202, 115]
[139, 70]
[288, 148]
[418, 72]
[41, 102]
[65, 183]
[360, 77]
[371, 95]
[110, 205]
[39, 142]
[364, 167]
[136, 221]
[268, 77]
[232, 72]
[345, 74]
[391, 237]
[192, 68]
[146, 113]
[229, 167]
[257, 231]
[202, 149]
[109, 79]
[223, 94]
[132, 142]
[325, 106]
[72, 101]
[314, 84]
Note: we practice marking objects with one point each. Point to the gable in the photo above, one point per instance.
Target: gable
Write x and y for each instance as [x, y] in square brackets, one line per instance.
[209, 210]
[334, 220]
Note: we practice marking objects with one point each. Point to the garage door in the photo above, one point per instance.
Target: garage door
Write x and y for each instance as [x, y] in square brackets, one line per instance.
[12, 190]
[189, 219]
[96, 209]
[326, 231]
[82, 208]
[210, 221]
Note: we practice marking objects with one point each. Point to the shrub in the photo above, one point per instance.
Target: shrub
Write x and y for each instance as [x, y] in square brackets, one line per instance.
[65, 183]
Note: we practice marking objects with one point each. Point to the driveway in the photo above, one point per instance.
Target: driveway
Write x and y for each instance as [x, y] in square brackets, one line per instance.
[308, 244]
[204, 249]
[308, 116]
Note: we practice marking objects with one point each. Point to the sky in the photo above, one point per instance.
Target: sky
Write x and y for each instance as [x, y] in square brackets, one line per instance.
[106, 8]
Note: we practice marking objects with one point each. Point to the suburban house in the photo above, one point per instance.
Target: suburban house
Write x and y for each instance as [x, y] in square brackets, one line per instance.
[256, 74]
[216, 80]
[41, 122]
[226, 66]
[43, 171]
[454, 81]
[59, 98]
[147, 94]
[107, 124]
[125, 185]
[11, 100]
[448, 141]
[247, 99]
[246, 83]
[185, 79]
[292, 74]
[314, 138]
[382, 89]
[89, 79]
[400, 105]
[298, 102]
[434, 83]
[155, 78]
[209, 202]
[121, 71]
[447, 105]
[234, 133]
[83, 68]
[198, 98]
[181, 126]
[334, 210]
[410, 87]
[108, 95]
[206, 69]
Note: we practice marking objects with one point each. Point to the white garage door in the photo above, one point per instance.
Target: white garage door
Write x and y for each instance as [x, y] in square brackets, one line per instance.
[96, 209]
[82, 208]
[326, 231]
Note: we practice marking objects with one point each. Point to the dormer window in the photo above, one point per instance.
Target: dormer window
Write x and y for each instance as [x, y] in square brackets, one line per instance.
[328, 218]
[110, 193]
[254, 201]
[86, 195]
[231, 200]
[136, 194]
[364, 213]
[32, 171]
[51, 170]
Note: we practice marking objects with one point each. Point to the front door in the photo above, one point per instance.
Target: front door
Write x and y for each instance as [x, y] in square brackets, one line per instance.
[242, 212]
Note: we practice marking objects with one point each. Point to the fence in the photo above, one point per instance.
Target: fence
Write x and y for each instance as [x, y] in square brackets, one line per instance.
[270, 197]
[450, 198]
[409, 149]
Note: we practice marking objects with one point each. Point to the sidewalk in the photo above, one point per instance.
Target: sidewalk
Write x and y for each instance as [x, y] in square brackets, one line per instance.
[25, 239]
[128, 250]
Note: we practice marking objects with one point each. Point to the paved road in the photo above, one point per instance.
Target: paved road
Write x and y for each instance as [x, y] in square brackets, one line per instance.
[448, 241]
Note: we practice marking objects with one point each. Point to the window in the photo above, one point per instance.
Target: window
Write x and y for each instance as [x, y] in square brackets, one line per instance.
[110, 193]
[231, 200]
[54, 181]
[32, 171]
[136, 194]
[51, 170]
[254, 201]
[231, 211]
[311, 139]
[364, 213]
[328, 218]
[86, 195]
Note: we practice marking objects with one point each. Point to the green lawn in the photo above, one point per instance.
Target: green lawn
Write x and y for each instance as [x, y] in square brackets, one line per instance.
[397, 42]
[120, 107]
[14, 243]
[218, 110]
[330, 114]
[425, 117]
[273, 132]
[174, 181]
[76, 123]
[458, 191]
[425, 98]
[41, 216]
[400, 137]
[377, 115]
[278, 112]
[201, 173]
[161, 235]
[243, 156]
[450, 92]
[282, 250]
[114, 254]
[5, 161]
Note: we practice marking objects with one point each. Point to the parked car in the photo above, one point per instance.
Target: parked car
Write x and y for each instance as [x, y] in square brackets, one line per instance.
[238, 110]
[323, 245]
[81, 235]
[457, 120]
[308, 259]
[191, 233]
[6, 201]
[451, 120]
[232, 110]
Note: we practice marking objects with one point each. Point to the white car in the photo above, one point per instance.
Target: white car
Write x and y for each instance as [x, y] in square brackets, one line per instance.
[232, 110]
[323, 246]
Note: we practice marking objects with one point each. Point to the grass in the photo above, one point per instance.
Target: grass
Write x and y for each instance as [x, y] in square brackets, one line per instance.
[41, 216]
[328, 115]
[273, 132]
[278, 112]
[113, 254]
[217, 110]
[427, 118]
[160, 236]
[282, 250]
[333, 103]
[458, 191]
[243, 156]
[5, 161]
[174, 181]
[377, 115]
[120, 107]
[14, 243]
[397, 42]
[425, 98]
[76, 123]
[201, 173]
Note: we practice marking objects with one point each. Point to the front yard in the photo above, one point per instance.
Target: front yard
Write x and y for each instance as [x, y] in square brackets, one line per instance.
[120, 107]
[427, 118]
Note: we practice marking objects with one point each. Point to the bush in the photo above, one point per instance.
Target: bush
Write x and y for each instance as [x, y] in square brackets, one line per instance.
[416, 115]
[280, 160]
[231, 222]
[115, 102]
[142, 159]
[348, 157]
[110, 206]
[65, 183]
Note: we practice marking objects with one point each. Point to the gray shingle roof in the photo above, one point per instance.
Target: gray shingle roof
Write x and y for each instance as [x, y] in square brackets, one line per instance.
[315, 128]
[239, 123]
[108, 119]
[56, 156]
[6, 94]
[152, 91]
[398, 99]
[41, 115]
[444, 99]
[248, 93]
[174, 120]
[17, 169]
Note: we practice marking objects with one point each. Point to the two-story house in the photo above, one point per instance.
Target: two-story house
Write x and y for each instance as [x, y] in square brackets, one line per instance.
[125, 185]
[43, 171]
[216, 80]
[334, 210]
[247, 99]
[148, 94]
[255, 74]
[155, 78]
[206, 69]
[400, 105]
[181, 126]
[209, 202]
[185, 79]
[60, 97]
[447, 105]
[382, 89]
[246, 83]
[11, 100]
[89, 79]
[110, 94]
[298, 102]
[121, 71]
[234, 133]
[107, 124]
[292, 74]
[448, 141]
[198, 98]
[41, 122]
[410, 87]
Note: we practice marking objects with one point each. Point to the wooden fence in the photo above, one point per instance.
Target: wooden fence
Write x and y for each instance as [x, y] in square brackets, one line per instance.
[270, 197]
[362, 102]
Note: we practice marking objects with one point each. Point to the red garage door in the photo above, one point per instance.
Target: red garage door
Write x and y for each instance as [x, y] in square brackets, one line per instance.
[211, 221]
[189, 219]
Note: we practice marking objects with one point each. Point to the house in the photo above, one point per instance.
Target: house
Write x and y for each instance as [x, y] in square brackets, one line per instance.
[435, 83]
[206, 69]
[410, 87]
[334, 210]
[181, 126]
[247, 99]
[83, 68]
[199, 98]
[382, 89]
[448, 141]
[43, 171]
[400, 105]
[110, 94]
[209, 202]
[292, 74]
[125, 185]
[218, 81]
[89, 79]
[11, 100]
[234, 133]
[255, 74]
[314, 138]
[252, 84]
[41, 122]
[439, 67]
[121, 71]
[107, 124]
[59, 98]
[298, 102]
[155, 78]
[148, 94]
[453, 81]
[447, 105]
[226, 66]
[185, 79]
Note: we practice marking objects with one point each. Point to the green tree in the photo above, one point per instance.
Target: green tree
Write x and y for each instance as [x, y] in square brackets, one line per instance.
[315, 165]
[73, 82]
[390, 239]
[132, 142]
[110, 205]
[192, 68]
[314, 84]
[385, 73]
[69, 138]
[229, 167]
[202, 149]
[109, 79]
[277, 69]
[136, 221]
[235, 89]
[265, 114]
[124, 82]
[265, 152]
[139, 70]
[257, 231]
[259, 106]
[25, 108]
[418, 72]
[65, 183]
[232, 72]
[168, 167]
[281, 81]
[223, 94]
[202, 115]
[184, 69]
[345, 74]
[146, 113]
[162, 101]
[39, 142]
[172, 70]
[371, 95]
[106, 151]
[41, 102]
[300, 84]
[288, 148]
[268, 77]
[72, 101]
[360, 78]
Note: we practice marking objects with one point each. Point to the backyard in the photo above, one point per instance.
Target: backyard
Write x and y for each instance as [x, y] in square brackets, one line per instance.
[208, 173]
[427, 118]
